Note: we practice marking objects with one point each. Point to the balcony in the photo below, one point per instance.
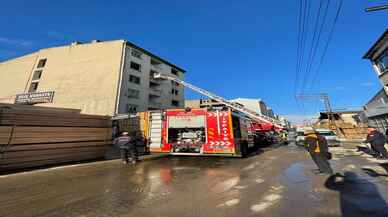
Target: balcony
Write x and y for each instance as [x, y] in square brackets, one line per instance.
[155, 92]
[154, 103]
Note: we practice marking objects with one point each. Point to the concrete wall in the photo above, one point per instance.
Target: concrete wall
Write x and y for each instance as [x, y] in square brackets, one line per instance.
[253, 104]
[83, 76]
[14, 75]
[90, 77]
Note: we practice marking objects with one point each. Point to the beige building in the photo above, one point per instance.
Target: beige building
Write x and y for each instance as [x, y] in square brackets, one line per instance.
[107, 78]
[256, 105]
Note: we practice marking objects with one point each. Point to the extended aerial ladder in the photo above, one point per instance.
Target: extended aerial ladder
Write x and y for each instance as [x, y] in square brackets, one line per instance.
[251, 114]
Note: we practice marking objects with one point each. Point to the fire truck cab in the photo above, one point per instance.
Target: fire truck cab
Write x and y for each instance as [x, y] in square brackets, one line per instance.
[202, 131]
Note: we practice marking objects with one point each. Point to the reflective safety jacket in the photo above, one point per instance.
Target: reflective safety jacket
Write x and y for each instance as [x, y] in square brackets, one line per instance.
[316, 144]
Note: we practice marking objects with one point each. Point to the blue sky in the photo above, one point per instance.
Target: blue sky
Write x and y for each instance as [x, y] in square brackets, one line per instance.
[234, 48]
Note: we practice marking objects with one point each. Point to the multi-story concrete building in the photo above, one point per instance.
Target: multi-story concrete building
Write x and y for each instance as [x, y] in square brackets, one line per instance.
[378, 55]
[376, 109]
[108, 78]
[256, 105]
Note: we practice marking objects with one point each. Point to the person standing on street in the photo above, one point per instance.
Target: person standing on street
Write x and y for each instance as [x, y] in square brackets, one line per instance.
[377, 141]
[127, 148]
[317, 146]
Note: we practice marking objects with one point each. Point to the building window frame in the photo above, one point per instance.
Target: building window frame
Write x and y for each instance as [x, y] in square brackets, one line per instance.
[175, 72]
[174, 91]
[131, 108]
[136, 53]
[37, 74]
[135, 66]
[33, 87]
[382, 62]
[133, 93]
[41, 63]
[175, 103]
[134, 79]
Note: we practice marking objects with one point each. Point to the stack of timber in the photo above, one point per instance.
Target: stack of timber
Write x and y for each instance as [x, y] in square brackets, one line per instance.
[346, 130]
[32, 136]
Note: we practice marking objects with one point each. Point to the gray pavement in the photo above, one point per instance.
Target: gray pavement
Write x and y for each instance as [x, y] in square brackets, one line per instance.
[277, 182]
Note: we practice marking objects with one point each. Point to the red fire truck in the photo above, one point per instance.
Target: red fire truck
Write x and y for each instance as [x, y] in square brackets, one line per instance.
[200, 132]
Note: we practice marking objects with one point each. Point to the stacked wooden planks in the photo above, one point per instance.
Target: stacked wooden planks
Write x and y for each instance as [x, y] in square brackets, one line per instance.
[32, 136]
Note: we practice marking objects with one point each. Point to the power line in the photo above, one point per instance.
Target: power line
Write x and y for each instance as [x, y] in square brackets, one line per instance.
[298, 46]
[316, 45]
[305, 27]
[315, 75]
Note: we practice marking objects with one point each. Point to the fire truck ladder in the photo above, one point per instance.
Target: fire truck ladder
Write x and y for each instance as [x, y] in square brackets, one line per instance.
[251, 114]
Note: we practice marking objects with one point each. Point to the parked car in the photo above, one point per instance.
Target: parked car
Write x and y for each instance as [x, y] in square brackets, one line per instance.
[299, 139]
[331, 137]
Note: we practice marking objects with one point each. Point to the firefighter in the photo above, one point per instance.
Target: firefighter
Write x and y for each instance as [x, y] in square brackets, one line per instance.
[377, 142]
[127, 148]
[317, 146]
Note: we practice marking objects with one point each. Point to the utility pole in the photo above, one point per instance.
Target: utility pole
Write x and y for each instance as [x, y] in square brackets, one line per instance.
[377, 8]
[326, 101]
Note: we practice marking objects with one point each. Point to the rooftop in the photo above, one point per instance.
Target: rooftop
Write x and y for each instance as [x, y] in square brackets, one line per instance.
[377, 45]
[77, 43]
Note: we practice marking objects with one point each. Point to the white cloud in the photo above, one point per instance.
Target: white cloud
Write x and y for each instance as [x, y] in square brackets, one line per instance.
[17, 42]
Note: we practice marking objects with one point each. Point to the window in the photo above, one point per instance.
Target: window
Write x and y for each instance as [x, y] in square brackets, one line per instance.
[174, 103]
[382, 62]
[131, 108]
[33, 87]
[136, 53]
[135, 66]
[174, 91]
[134, 79]
[42, 63]
[37, 75]
[174, 83]
[132, 93]
[155, 62]
[174, 71]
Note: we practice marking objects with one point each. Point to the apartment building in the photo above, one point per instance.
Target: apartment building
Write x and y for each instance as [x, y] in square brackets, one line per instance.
[256, 105]
[100, 77]
[376, 109]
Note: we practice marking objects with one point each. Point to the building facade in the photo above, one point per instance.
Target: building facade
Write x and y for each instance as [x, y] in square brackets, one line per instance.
[376, 109]
[256, 105]
[106, 78]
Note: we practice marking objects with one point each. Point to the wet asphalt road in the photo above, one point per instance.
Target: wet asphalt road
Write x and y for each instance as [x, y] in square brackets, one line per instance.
[278, 182]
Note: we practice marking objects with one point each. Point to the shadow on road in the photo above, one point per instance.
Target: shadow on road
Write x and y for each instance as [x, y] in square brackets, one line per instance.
[373, 173]
[358, 197]
[364, 149]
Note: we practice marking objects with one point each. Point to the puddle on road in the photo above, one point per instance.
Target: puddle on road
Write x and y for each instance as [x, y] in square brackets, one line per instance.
[294, 174]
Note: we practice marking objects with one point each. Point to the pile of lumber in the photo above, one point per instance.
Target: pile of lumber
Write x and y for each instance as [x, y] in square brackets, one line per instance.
[32, 136]
[346, 130]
